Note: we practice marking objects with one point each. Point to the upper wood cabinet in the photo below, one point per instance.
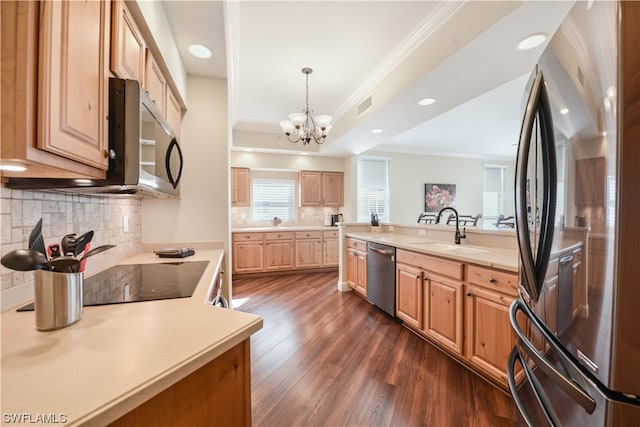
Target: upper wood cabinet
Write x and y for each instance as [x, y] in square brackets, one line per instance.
[319, 188]
[590, 182]
[128, 48]
[240, 187]
[55, 88]
[155, 83]
[173, 112]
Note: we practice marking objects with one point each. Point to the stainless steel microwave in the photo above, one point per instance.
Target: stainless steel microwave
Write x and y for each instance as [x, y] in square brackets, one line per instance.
[145, 158]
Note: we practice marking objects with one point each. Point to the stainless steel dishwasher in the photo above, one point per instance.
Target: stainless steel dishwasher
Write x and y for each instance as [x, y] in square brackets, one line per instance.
[381, 277]
[565, 293]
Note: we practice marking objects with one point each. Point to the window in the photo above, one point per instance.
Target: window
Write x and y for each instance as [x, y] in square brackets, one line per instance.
[373, 189]
[493, 194]
[273, 197]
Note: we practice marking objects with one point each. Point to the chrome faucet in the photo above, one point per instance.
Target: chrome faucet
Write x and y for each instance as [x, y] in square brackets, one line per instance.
[464, 229]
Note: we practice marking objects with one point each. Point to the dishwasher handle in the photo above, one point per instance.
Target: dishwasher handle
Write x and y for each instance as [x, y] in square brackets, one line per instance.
[566, 259]
[381, 251]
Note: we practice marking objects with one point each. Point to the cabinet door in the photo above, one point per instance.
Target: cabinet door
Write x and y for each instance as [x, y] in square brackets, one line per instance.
[330, 252]
[352, 268]
[409, 295]
[361, 281]
[489, 339]
[240, 186]
[247, 257]
[310, 188]
[155, 84]
[332, 188]
[127, 45]
[73, 77]
[278, 255]
[174, 113]
[308, 253]
[590, 181]
[443, 312]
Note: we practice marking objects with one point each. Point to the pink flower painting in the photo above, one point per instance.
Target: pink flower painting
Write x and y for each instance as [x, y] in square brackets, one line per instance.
[438, 196]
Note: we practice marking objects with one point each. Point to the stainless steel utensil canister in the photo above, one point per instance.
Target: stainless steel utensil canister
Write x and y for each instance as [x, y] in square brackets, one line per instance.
[58, 299]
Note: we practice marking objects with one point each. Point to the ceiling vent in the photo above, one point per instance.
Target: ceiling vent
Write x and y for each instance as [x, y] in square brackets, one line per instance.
[365, 105]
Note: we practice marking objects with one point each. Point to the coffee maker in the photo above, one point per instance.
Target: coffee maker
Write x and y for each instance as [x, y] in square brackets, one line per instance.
[332, 220]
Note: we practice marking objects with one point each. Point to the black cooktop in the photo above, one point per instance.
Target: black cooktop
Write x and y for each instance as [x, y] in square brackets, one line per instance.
[141, 282]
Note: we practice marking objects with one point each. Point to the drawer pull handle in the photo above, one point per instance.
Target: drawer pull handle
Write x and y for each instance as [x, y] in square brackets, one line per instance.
[492, 280]
[468, 293]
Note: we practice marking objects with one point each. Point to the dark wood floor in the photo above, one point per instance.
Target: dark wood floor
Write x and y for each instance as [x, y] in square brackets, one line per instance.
[329, 358]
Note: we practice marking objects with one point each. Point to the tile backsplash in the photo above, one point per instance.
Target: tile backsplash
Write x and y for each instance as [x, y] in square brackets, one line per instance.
[305, 216]
[63, 214]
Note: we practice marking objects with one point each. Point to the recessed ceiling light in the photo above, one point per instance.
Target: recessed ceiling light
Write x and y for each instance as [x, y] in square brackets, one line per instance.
[564, 111]
[200, 51]
[426, 101]
[377, 130]
[532, 41]
[13, 168]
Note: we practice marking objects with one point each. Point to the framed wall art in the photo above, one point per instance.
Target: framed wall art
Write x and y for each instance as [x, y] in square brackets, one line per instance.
[438, 196]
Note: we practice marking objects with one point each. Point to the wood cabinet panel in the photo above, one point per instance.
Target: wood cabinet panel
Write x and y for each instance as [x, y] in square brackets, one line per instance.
[488, 335]
[155, 84]
[439, 266]
[330, 251]
[501, 281]
[319, 188]
[218, 394]
[278, 254]
[240, 187]
[409, 288]
[173, 113]
[357, 266]
[308, 252]
[127, 45]
[248, 256]
[591, 181]
[73, 81]
[443, 304]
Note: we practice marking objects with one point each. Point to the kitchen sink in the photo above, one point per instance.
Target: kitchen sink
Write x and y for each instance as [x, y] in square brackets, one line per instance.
[456, 249]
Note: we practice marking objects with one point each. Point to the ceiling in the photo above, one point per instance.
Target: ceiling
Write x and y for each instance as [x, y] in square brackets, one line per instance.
[461, 53]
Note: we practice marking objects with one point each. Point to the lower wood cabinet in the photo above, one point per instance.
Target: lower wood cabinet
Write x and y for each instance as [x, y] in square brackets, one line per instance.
[218, 394]
[467, 318]
[357, 265]
[259, 252]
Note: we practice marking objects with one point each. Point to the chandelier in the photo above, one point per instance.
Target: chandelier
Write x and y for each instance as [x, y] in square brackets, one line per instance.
[303, 126]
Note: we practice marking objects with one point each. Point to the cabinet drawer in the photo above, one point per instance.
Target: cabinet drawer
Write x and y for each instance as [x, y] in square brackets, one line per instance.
[501, 281]
[333, 234]
[279, 236]
[357, 244]
[247, 237]
[308, 234]
[431, 264]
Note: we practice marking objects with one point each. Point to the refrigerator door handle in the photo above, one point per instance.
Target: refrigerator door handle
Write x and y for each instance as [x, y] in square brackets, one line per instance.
[568, 385]
[540, 395]
[534, 269]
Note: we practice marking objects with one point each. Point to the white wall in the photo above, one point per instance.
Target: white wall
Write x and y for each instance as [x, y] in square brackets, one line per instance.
[202, 212]
[408, 173]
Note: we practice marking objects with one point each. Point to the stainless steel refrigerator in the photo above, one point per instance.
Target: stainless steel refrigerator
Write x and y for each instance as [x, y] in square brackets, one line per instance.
[577, 319]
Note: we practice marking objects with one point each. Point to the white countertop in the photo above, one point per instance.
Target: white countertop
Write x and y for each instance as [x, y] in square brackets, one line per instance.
[117, 356]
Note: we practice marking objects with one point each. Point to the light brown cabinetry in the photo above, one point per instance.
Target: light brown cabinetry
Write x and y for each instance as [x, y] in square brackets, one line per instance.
[173, 112]
[200, 403]
[128, 47]
[308, 249]
[429, 297]
[319, 188]
[357, 265]
[488, 335]
[590, 182]
[248, 252]
[278, 251]
[55, 59]
[409, 289]
[330, 248]
[596, 261]
[155, 83]
[240, 187]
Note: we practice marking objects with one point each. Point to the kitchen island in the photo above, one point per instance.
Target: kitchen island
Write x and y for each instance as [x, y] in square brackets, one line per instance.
[176, 360]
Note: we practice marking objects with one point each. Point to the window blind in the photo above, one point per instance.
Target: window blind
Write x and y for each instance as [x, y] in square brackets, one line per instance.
[273, 197]
[493, 191]
[373, 189]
